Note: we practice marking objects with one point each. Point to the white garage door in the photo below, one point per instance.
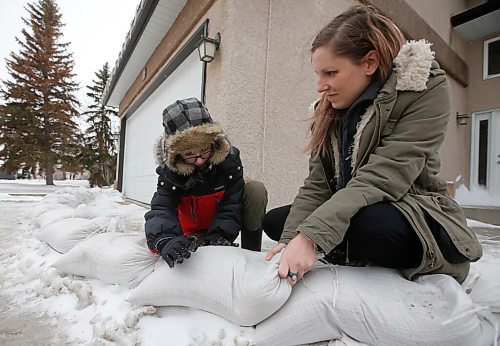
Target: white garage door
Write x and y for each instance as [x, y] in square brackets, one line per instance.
[144, 127]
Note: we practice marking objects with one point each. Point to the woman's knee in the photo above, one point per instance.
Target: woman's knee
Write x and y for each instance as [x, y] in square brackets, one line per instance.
[381, 234]
[274, 221]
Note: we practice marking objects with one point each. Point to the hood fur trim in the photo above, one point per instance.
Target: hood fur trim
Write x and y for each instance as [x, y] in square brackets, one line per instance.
[413, 65]
[192, 139]
[370, 111]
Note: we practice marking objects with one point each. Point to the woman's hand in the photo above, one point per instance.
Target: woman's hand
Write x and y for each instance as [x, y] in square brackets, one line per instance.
[298, 257]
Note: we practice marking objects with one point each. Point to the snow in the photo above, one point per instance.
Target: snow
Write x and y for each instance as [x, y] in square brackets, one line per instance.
[478, 224]
[87, 311]
[475, 197]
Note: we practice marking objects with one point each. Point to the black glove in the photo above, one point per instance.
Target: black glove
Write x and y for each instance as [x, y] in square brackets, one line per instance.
[176, 249]
[221, 241]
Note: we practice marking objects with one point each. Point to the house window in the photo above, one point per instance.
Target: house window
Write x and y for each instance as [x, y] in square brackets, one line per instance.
[482, 164]
[491, 65]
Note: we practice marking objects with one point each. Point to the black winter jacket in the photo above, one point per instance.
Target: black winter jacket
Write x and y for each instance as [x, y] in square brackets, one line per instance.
[184, 205]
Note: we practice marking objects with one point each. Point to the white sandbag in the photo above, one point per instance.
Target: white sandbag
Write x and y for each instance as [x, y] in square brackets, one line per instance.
[54, 215]
[307, 317]
[483, 284]
[73, 196]
[236, 284]
[123, 218]
[377, 306]
[114, 258]
[61, 198]
[88, 211]
[64, 234]
[40, 208]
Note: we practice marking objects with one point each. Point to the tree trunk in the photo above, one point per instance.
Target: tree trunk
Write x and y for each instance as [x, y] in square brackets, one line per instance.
[49, 178]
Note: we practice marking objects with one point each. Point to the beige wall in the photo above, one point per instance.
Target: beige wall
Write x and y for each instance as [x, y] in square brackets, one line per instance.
[438, 17]
[235, 84]
[261, 84]
[482, 94]
[455, 151]
[291, 89]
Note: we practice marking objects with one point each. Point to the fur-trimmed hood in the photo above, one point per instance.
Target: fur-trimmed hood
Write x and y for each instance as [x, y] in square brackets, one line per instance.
[167, 148]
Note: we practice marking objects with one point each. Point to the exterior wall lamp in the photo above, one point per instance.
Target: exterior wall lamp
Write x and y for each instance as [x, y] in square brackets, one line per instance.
[462, 119]
[207, 47]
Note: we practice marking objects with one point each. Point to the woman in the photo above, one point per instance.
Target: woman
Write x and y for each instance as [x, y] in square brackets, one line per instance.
[373, 193]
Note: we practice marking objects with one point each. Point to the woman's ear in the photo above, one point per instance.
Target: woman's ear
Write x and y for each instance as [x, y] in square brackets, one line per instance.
[371, 62]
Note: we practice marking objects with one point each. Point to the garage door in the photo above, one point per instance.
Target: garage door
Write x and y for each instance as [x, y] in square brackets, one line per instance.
[144, 127]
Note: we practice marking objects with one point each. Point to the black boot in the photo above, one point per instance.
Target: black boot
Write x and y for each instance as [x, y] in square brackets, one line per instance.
[251, 240]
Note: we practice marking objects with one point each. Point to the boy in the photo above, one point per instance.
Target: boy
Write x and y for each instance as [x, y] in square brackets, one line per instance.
[199, 198]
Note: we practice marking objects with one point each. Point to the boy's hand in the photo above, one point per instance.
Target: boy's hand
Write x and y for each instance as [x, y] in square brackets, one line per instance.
[178, 249]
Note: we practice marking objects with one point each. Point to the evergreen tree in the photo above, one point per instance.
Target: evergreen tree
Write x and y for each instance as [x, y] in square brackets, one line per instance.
[39, 96]
[99, 156]
[15, 125]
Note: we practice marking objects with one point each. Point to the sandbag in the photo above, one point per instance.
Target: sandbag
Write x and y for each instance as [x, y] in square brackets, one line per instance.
[307, 317]
[64, 234]
[62, 197]
[114, 258]
[377, 306]
[88, 211]
[54, 215]
[40, 208]
[236, 284]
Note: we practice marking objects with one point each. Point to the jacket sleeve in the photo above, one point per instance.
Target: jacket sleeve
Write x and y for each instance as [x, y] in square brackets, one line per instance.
[227, 221]
[312, 194]
[162, 220]
[391, 168]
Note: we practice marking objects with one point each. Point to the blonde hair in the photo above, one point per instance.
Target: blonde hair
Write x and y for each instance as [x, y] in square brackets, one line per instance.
[353, 34]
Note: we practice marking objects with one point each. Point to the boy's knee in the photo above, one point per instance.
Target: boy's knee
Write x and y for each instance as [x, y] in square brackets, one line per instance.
[255, 192]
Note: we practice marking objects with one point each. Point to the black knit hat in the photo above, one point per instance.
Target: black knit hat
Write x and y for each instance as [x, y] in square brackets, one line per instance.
[183, 114]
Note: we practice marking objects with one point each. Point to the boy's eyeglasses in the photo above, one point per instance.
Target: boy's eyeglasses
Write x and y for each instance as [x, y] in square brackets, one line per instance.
[205, 155]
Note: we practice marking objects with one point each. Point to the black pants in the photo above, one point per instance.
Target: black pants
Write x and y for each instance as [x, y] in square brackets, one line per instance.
[379, 234]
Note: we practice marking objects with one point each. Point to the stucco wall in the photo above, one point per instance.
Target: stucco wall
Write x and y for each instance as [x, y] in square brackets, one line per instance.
[482, 94]
[291, 89]
[261, 84]
[455, 151]
[235, 84]
[438, 17]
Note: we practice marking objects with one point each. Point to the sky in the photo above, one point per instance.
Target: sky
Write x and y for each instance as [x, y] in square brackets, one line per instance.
[38, 289]
[96, 30]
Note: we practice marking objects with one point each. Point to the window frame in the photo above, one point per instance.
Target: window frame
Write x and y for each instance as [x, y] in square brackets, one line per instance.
[486, 56]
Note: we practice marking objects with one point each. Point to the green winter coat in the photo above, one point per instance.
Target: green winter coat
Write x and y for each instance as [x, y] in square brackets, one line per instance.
[395, 159]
